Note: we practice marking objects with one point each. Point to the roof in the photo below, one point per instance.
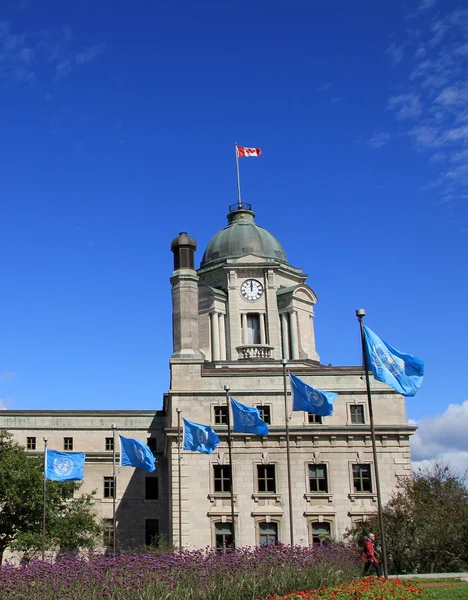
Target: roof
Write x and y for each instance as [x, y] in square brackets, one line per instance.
[240, 238]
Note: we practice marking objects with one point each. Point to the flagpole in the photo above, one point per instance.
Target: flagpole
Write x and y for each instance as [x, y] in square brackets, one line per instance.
[44, 500]
[360, 313]
[239, 200]
[226, 389]
[288, 454]
[179, 459]
[114, 495]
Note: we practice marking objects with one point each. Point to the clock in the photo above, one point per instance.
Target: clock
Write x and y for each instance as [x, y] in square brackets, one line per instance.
[251, 289]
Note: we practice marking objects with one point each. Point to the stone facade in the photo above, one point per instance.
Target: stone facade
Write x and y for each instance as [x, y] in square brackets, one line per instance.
[234, 321]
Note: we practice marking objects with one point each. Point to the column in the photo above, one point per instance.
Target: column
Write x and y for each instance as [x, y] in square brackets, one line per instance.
[262, 329]
[222, 336]
[214, 336]
[293, 333]
[244, 328]
[285, 335]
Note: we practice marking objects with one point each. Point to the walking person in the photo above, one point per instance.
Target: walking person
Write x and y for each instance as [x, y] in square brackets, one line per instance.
[369, 558]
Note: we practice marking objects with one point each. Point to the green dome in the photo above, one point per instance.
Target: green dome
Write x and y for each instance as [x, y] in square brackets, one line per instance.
[241, 237]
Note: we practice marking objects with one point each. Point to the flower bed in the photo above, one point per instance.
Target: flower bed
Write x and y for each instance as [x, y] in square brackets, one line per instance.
[242, 574]
[363, 589]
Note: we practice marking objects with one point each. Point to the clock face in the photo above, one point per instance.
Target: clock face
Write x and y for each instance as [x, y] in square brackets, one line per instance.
[251, 289]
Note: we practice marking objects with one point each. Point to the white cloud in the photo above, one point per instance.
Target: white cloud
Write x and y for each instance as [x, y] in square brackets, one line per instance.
[7, 375]
[443, 438]
[378, 139]
[90, 54]
[406, 106]
[432, 104]
[425, 4]
[323, 87]
[395, 52]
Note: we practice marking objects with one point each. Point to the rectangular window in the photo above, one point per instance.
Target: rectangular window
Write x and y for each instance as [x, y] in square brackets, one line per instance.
[321, 533]
[151, 443]
[357, 413]
[315, 419]
[108, 540]
[31, 443]
[222, 475]
[151, 488]
[110, 443]
[220, 415]
[266, 478]
[151, 532]
[253, 329]
[108, 487]
[318, 480]
[68, 443]
[265, 413]
[268, 534]
[223, 535]
[362, 478]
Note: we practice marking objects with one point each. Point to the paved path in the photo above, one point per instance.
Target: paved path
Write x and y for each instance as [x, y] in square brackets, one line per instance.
[429, 576]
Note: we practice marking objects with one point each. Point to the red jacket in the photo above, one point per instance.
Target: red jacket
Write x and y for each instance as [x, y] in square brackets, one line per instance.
[368, 554]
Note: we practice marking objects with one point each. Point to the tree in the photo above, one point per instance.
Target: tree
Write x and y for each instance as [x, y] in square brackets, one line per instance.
[71, 523]
[426, 523]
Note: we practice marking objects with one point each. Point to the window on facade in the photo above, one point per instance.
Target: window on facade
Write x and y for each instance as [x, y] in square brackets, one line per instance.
[321, 533]
[253, 329]
[266, 478]
[315, 419]
[31, 443]
[318, 480]
[68, 443]
[268, 534]
[109, 443]
[220, 415]
[108, 487]
[151, 488]
[223, 533]
[151, 532]
[108, 540]
[362, 478]
[151, 443]
[265, 413]
[357, 413]
[222, 481]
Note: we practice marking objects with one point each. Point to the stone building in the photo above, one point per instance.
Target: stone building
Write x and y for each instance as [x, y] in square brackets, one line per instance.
[236, 319]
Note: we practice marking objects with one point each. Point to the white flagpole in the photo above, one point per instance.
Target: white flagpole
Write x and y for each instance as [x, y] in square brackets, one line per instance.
[114, 478]
[44, 500]
[179, 460]
[239, 199]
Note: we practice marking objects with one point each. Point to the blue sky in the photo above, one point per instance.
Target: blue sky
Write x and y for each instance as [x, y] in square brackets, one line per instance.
[117, 131]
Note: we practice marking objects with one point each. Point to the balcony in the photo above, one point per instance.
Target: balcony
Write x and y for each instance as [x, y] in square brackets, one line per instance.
[255, 352]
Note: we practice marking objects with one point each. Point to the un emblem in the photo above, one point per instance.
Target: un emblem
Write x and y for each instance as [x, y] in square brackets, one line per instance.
[62, 466]
[390, 362]
[247, 419]
[202, 436]
[314, 397]
[139, 454]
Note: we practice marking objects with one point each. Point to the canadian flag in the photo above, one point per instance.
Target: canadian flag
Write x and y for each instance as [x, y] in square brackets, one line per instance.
[244, 152]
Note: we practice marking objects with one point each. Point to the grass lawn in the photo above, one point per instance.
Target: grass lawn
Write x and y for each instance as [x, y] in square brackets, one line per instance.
[454, 592]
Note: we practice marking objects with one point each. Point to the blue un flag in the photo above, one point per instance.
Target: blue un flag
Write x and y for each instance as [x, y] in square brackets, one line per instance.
[64, 466]
[307, 398]
[134, 453]
[247, 419]
[199, 438]
[403, 372]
